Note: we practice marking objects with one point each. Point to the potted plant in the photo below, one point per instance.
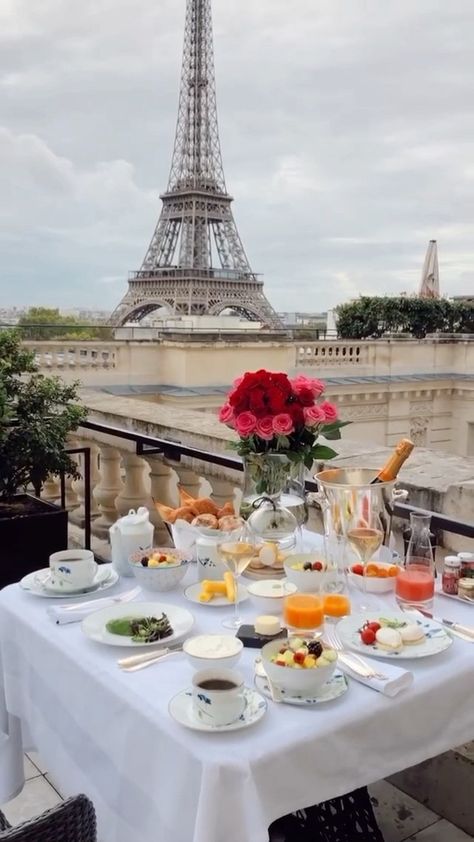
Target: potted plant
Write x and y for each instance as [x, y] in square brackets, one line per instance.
[36, 415]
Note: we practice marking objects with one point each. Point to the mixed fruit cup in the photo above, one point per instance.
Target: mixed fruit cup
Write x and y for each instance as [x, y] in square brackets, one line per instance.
[298, 653]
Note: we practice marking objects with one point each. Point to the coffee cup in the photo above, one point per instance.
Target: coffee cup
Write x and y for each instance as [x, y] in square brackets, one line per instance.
[71, 570]
[218, 696]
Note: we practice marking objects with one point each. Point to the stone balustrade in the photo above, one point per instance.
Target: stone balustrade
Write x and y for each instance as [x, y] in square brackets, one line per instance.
[338, 354]
[73, 355]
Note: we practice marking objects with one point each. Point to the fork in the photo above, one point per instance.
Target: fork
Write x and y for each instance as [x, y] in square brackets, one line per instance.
[351, 660]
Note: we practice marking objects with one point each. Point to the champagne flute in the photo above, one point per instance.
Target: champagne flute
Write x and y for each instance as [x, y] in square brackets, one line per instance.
[365, 537]
[236, 550]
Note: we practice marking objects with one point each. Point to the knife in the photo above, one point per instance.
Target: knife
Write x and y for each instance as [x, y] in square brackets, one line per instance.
[466, 632]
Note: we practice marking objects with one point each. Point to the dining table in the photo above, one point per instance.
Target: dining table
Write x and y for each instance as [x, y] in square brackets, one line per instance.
[108, 733]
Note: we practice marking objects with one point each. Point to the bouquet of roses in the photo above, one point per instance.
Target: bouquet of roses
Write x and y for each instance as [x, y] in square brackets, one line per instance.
[272, 413]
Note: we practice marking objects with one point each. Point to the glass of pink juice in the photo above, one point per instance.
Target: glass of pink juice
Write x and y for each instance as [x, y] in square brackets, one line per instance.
[415, 586]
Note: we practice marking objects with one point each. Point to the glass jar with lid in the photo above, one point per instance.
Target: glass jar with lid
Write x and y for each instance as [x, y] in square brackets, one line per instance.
[451, 574]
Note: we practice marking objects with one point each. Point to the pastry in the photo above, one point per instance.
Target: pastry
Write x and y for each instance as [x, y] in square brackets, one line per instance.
[184, 513]
[228, 509]
[204, 506]
[207, 521]
[229, 523]
[412, 634]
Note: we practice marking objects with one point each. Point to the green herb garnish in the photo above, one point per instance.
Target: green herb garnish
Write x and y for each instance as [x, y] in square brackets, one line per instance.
[141, 629]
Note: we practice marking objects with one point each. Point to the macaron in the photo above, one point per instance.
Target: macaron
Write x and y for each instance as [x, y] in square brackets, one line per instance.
[389, 639]
[412, 634]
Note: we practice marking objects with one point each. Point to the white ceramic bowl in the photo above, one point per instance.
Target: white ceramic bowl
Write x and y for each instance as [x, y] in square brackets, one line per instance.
[209, 650]
[307, 581]
[268, 595]
[375, 584]
[306, 682]
[163, 578]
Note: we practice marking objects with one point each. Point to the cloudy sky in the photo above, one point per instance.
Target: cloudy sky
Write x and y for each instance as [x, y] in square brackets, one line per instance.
[347, 129]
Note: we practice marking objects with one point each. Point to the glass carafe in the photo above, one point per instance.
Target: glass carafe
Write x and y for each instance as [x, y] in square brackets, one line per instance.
[415, 581]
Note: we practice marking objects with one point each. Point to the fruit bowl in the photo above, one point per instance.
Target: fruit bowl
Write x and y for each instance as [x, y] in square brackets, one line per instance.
[163, 577]
[308, 581]
[383, 583]
[306, 682]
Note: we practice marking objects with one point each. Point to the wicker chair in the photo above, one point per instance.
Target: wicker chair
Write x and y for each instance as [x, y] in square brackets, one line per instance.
[71, 821]
[347, 819]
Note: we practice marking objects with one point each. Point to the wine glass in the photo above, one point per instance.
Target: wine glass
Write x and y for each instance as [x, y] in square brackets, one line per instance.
[236, 550]
[365, 536]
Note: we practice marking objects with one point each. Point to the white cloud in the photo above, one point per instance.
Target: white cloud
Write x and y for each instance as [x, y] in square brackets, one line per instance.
[347, 133]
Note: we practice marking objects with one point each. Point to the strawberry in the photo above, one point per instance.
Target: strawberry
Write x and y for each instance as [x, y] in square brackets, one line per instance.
[367, 636]
[317, 565]
[358, 569]
[299, 657]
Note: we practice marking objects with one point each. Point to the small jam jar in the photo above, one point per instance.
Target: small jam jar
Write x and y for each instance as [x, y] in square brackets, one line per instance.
[451, 574]
[466, 589]
[467, 565]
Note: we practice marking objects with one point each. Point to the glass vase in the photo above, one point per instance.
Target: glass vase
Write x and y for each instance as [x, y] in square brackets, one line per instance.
[274, 475]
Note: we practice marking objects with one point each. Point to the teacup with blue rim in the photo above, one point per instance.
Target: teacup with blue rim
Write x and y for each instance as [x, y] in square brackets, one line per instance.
[218, 696]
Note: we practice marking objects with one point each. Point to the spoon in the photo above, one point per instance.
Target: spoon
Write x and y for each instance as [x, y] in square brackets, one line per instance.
[275, 691]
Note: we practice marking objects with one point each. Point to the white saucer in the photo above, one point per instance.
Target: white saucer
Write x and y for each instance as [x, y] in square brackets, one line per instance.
[192, 594]
[335, 687]
[105, 578]
[182, 711]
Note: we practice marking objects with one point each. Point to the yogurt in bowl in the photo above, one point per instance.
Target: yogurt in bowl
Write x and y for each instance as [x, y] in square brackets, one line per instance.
[213, 650]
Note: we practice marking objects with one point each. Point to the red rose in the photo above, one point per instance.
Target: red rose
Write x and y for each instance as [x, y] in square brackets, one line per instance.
[305, 396]
[257, 402]
[276, 400]
[297, 413]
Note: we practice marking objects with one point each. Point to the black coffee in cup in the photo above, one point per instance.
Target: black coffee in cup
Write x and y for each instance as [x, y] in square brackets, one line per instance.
[217, 684]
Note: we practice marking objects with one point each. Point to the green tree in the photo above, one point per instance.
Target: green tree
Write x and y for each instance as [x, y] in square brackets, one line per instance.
[43, 323]
[372, 317]
[36, 415]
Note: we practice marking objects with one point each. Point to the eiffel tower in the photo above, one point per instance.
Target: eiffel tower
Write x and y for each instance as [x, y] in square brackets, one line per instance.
[196, 263]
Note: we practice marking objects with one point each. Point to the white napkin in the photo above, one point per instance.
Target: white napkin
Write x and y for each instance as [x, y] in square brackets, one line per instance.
[396, 678]
[61, 614]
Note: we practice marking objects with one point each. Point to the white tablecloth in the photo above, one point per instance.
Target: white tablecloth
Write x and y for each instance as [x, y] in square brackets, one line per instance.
[109, 734]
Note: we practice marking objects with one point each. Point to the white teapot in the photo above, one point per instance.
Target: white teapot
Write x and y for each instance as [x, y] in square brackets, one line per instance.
[127, 535]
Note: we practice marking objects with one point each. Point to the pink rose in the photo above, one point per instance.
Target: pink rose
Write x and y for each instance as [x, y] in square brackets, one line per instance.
[314, 415]
[265, 428]
[245, 424]
[316, 387]
[330, 411]
[283, 424]
[226, 414]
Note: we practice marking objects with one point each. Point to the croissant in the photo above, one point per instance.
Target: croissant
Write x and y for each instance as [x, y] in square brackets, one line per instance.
[183, 513]
[204, 506]
[227, 509]
[166, 512]
[185, 498]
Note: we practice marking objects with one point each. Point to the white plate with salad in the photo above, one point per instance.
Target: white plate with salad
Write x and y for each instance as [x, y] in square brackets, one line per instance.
[139, 624]
[398, 636]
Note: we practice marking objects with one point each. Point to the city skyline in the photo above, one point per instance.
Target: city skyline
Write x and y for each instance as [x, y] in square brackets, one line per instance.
[345, 141]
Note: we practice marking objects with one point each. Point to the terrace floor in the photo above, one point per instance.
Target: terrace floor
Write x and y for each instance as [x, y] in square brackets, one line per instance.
[401, 818]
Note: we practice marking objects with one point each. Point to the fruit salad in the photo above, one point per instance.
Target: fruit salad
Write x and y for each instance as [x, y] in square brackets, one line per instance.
[159, 559]
[302, 654]
[317, 566]
[378, 571]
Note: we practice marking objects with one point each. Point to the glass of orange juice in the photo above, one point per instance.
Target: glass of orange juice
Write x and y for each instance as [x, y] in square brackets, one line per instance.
[337, 605]
[303, 613]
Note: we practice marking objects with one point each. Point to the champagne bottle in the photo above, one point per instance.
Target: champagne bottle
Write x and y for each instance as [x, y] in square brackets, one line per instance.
[392, 467]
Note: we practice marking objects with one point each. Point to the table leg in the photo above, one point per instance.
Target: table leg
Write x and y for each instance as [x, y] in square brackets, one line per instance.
[346, 819]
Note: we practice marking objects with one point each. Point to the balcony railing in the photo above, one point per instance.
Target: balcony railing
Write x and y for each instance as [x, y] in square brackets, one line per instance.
[123, 469]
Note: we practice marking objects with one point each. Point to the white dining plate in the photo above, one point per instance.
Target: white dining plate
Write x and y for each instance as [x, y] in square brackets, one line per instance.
[105, 578]
[335, 687]
[436, 638]
[182, 710]
[192, 594]
[95, 625]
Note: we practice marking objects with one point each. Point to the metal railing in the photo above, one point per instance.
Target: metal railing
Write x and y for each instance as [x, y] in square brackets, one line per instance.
[146, 445]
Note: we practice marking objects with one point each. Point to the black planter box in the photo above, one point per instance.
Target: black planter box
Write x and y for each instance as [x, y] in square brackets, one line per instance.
[30, 530]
